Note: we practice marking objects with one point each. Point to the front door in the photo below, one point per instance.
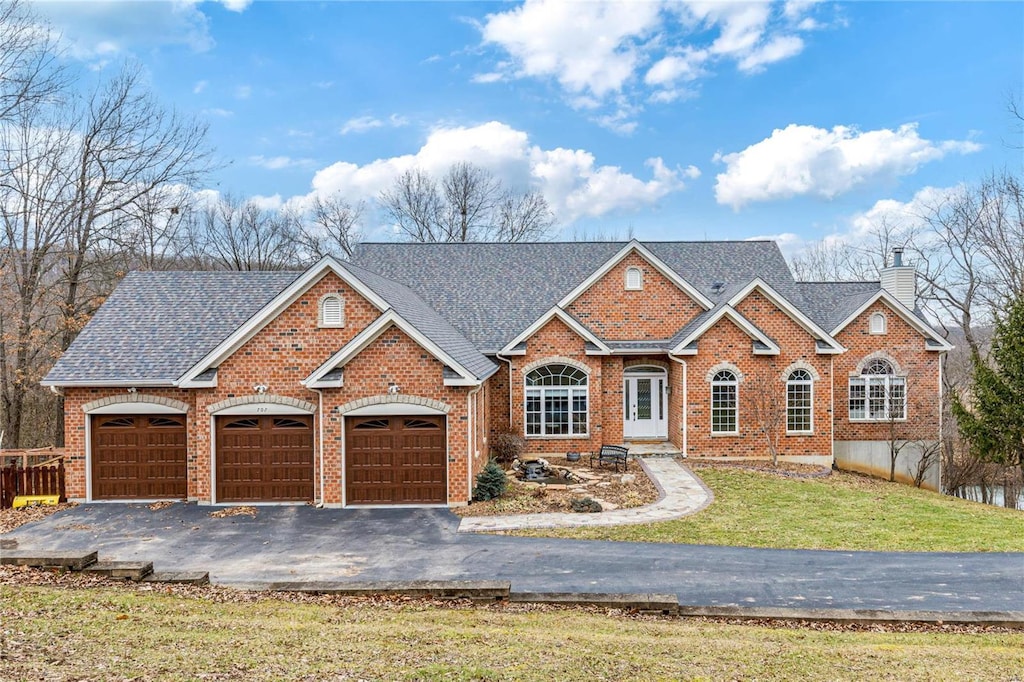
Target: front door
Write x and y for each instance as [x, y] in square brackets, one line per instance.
[644, 404]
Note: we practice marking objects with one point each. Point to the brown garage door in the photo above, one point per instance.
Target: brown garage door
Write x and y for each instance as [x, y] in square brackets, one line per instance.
[395, 460]
[265, 459]
[139, 457]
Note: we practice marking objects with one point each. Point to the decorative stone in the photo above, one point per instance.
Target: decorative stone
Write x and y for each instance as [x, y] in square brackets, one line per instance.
[628, 478]
[604, 484]
[556, 486]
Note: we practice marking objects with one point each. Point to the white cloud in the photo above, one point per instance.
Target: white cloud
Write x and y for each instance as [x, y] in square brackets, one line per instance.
[361, 124]
[805, 160]
[601, 50]
[278, 162]
[571, 180]
[243, 91]
[323, 85]
[364, 124]
[586, 47]
[96, 30]
[199, 87]
[218, 112]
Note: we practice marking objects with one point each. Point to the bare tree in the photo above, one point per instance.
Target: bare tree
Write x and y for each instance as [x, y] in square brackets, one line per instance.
[31, 73]
[468, 205]
[331, 227]
[75, 171]
[239, 235]
[764, 398]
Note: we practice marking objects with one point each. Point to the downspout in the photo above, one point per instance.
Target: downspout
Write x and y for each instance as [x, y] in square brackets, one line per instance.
[320, 422]
[938, 459]
[509, 361]
[471, 440]
[832, 405]
[686, 452]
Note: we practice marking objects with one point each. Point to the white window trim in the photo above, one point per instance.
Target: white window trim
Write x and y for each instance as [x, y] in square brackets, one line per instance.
[735, 383]
[810, 383]
[867, 379]
[321, 323]
[640, 278]
[585, 389]
[871, 324]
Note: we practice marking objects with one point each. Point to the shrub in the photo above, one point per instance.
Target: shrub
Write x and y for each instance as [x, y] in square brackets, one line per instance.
[490, 483]
[585, 505]
[508, 446]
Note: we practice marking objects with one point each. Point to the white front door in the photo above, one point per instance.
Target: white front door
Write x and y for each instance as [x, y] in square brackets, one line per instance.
[645, 408]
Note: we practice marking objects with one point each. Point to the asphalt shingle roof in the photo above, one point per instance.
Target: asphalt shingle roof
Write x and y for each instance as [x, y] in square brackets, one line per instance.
[491, 292]
[829, 303]
[157, 325]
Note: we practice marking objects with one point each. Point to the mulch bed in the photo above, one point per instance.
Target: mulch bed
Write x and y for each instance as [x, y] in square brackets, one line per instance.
[787, 469]
[603, 484]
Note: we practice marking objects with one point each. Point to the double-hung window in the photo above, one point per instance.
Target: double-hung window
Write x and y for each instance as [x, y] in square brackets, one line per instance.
[878, 394]
[799, 402]
[556, 401]
[724, 402]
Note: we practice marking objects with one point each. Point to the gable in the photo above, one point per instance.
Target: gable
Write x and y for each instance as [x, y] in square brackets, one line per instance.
[776, 323]
[615, 313]
[393, 359]
[292, 344]
[898, 333]
[556, 338]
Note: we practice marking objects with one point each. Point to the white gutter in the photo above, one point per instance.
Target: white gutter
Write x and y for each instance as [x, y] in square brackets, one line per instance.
[686, 451]
[471, 440]
[320, 442]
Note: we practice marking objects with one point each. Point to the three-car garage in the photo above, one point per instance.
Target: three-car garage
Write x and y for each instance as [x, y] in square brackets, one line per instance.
[387, 460]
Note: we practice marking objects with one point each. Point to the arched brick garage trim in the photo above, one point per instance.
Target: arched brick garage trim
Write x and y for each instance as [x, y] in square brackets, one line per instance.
[389, 399]
[133, 399]
[262, 399]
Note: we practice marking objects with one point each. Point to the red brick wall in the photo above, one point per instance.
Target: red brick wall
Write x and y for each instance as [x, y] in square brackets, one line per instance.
[279, 356]
[725, 342]
[552, 340]
[657, 311]
[75, 432]
[905, 345]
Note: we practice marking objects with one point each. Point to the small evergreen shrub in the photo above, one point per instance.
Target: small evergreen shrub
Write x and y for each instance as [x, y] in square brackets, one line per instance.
[490, 483]
[585, 505]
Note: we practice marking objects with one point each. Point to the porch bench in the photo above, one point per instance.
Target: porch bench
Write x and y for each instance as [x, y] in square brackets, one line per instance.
[616, 455]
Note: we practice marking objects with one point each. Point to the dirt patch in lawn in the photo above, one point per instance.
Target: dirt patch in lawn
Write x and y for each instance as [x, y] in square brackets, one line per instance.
[12, 518]
[612, 489]
[787, 469]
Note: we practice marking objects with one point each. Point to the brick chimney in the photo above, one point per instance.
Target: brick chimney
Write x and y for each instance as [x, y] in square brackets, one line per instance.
[901, 280]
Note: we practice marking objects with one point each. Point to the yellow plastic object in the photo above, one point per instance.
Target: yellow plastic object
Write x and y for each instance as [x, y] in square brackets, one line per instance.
[35, 500]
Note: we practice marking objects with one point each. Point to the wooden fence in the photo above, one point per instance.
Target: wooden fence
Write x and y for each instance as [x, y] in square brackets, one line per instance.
[37, 480]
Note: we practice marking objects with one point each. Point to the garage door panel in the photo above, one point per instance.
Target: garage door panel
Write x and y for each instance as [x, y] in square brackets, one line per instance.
[139, 457]
[264, 459]
[396, 460]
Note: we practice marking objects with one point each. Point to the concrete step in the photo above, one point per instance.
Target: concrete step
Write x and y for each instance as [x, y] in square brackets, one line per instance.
[666, 604]
[476, 590]
[122, 570]
[178, 577]
[68, 560]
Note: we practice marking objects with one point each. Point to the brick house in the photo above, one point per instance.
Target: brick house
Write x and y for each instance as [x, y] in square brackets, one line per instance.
[382, 380]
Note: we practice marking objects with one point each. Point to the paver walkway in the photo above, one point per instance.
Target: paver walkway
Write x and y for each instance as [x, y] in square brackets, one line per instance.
[682, 493]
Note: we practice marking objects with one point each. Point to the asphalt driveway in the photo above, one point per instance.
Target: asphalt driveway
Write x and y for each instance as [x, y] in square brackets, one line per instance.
[303, 543]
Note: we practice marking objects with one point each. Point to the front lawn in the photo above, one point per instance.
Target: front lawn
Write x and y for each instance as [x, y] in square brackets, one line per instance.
[56, 633]
[841, 511]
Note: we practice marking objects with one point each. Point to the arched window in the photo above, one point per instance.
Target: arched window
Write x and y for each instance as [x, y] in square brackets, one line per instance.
[878, 394]
[799, 402]
[876, 323]
[634, 279]
[556, 401]
[724, 402]
[332, 311]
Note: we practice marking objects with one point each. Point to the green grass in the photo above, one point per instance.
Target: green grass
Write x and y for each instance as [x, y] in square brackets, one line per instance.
[112, 634]
[842, 511]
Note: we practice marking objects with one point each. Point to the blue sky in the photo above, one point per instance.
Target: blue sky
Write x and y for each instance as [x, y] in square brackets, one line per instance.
[686, 120]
